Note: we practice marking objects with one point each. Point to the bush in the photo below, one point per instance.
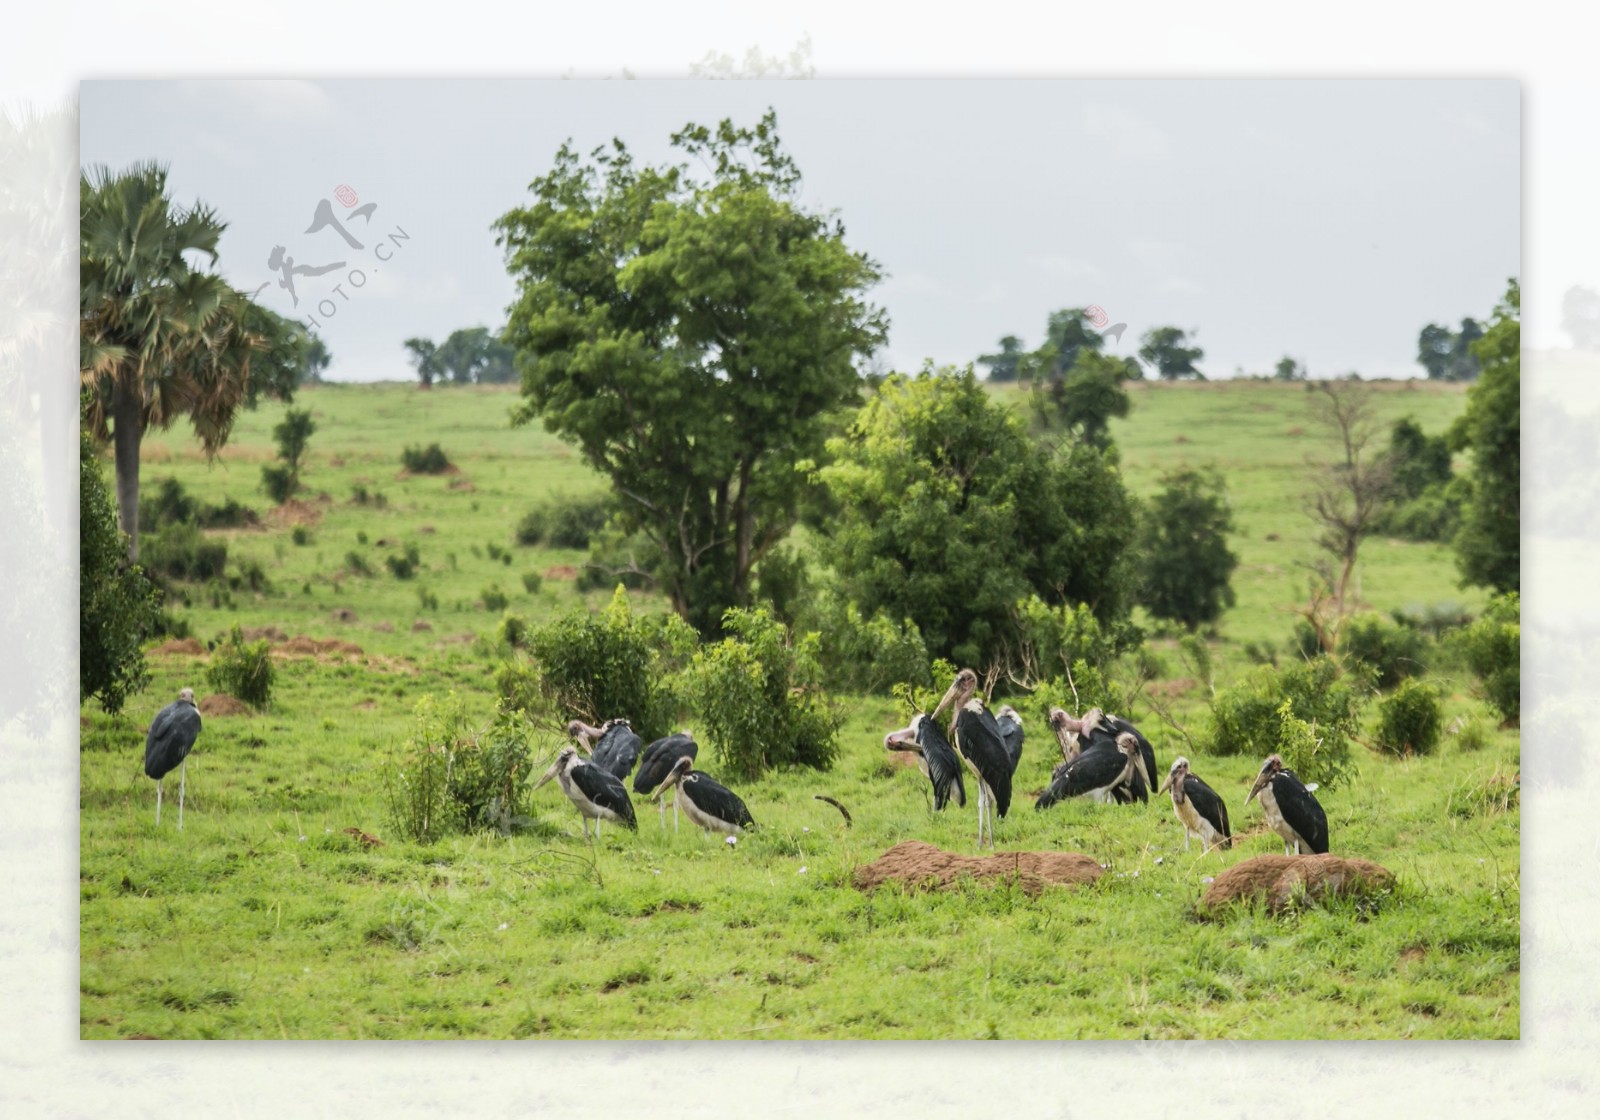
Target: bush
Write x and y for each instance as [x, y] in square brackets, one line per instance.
[278, 482]
[1250, 717]
[167, 503]
[179, 551]
[1493, 650]
[301, 535]
[757, 693]
[357, 563]
[242, 669]
[118, 606]
[863, 655]
[600, 666]
[403, 565]
[451, 776]
[493, 598]
[513, 631]
[1471, 735]
[427, 600]
[1391, 652]
[531, 582]
[252, 575]
[429, 460]
[1183, 543]
[565, 521]
[1410, 720]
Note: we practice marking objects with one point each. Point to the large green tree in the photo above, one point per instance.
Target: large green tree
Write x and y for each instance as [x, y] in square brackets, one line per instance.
[1086, 398]
[689, 332]
[1163, 349]
[1448, 355]
[942, 511]
[1183, 549]
[159, 338]
[1488, 545]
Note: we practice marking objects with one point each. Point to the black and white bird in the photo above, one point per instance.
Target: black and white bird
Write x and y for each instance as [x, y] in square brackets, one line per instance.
[1201, 812]
[1066, 730]
[598, 795]
[1095, 728]
[1095, 772]
[167, 746]
[706, 801]
[1292, 812]
[977, 739]
[936, 758]
[613, 746]
[1011, 733]
[656, 763]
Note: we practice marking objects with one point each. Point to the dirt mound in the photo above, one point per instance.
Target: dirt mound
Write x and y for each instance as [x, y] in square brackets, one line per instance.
[1284, 881]
[561, 571]
[271, 633]
[427, 530]
[189, 647]
[384, 627]
[923, 865]
[344, 614]
[302, 646]
[419, 626]
[462, 484]
[294, 512]
[221, 704]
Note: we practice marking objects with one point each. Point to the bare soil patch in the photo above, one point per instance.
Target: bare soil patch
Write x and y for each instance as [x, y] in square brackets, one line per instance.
[302, 646]
[344, 614]
[293, 512]
[561, 571]
[420, 626]
[186, 647]
[1285, 881]
[221, 704]
[270, 633]
[924, 866]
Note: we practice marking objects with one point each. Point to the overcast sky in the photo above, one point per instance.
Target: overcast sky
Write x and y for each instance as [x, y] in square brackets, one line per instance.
[1327, 220]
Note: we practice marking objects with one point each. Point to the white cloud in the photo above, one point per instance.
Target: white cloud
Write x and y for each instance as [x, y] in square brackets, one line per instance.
[1127, 135]
[273, 100]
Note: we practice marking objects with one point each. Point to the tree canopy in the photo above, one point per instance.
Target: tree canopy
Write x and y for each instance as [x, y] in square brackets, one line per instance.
[1489, 543]
[690, 335]
[1183, 548]
[1448, 355]
[470, 356]
[1163, 349]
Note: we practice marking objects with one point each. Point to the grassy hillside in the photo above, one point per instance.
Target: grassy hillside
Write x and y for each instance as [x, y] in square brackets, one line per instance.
[265, 918]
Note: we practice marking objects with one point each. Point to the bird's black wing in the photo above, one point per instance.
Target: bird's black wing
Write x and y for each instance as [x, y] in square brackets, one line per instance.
[657, 760]
[715, 799]
[978, 740]
[1119, 725]
[600, 787]
[617, 750]
[1091, 770]
[172, 735]
[1301, 810]
[1011, 735]
[944, 768]
[1207, 804]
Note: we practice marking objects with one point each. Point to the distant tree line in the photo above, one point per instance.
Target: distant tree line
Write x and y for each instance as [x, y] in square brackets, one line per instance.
[472, 356]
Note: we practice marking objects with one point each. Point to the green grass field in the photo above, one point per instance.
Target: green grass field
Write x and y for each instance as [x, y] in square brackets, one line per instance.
[265, 919]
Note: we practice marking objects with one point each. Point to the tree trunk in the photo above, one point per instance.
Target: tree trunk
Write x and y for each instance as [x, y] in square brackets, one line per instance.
[127, 419]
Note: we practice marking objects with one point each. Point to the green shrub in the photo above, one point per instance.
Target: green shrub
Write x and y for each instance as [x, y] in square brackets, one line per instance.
[428, 460]
[863, 655]
[1493, 650]
[513, 631]
[1410, 719]
[250, 574]
[180, 551]
[403, 565]
[1391, 651]
[518, 685]
[427, 599]
[598, 666]
[493, 598]
[118, 605]
[452, 776]
[495, 551]
[278, 482]
[357, 563]
[301, 535]
[242, 669]
[1471, 735]
[564, 521]
[531, 582]
[1249, 718]
[758, 697]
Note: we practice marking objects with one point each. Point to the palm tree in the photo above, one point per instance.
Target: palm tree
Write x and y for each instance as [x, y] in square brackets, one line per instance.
[159, 338]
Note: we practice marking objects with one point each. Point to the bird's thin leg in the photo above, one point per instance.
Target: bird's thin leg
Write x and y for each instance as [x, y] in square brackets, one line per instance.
[597, 828]
[1186, 839]
[158, 799]
[661, 804]
[674, 812]
[182, 772]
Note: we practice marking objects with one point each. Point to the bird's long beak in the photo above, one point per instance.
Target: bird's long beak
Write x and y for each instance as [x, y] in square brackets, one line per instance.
[950, 694]
[671, 779]
[1261, 780]
[555, 767]
[1138, 761]
[1164, 785]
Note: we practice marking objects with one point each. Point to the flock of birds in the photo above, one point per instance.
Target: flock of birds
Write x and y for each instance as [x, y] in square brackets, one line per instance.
[1104, 759]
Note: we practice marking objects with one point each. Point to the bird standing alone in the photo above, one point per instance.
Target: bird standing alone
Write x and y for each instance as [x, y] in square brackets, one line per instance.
[167, 746]
[1292, 812]
[1199, 809]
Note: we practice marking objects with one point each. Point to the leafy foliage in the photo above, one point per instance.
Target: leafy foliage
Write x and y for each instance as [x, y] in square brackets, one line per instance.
[600, 666]
[293, 434]
[1410, 720]
[452, 776]
[1489, 544]
[1390, 651]
[1163, 349]
[1183, 548]
[758, 695]
[1086, 397]
[242, 669]
[1449, 355]
[1253, 717]
[565, 521]
[946, 515]
[690, 338]
[1493, 648]
[425, 460]
[404, 564]
[118, 606]
[181, 551]
[172, 504]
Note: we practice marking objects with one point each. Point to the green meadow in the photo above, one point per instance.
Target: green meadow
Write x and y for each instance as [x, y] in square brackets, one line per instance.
[266, 918]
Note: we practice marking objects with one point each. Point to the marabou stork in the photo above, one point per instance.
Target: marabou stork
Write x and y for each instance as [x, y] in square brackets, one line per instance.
[935, 758]
[1095, 772]
[656, 763]
[166, 747]
[1010, 733]
[977, 738]
[1292, 812]
[597, 794]
[1200, 811]
[1067, 732]
[706, 801]
[613, 746]
[1097, 729]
